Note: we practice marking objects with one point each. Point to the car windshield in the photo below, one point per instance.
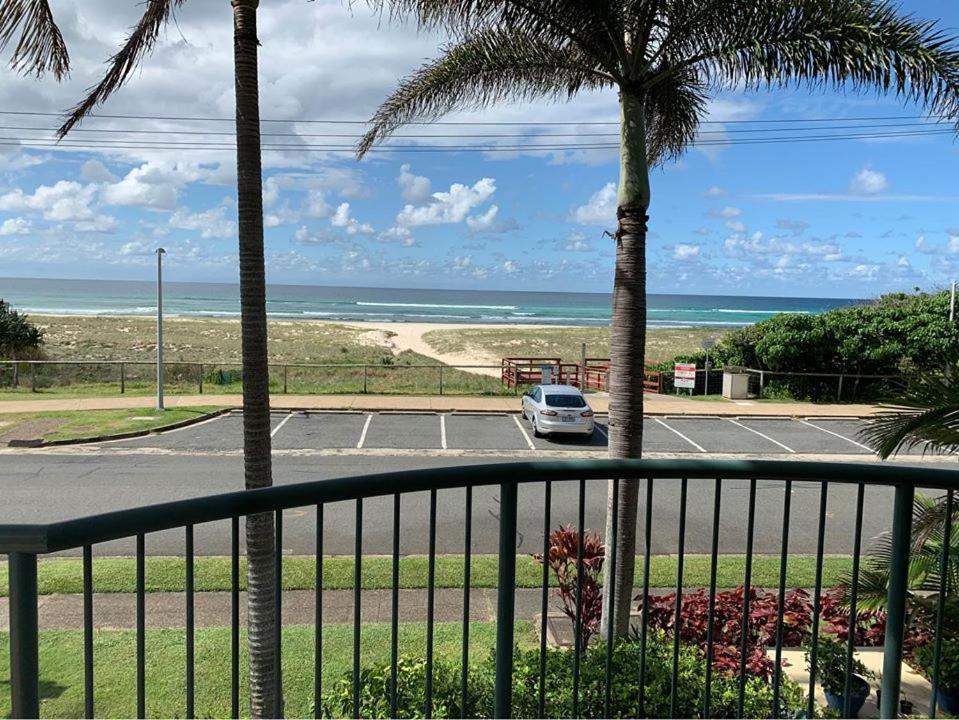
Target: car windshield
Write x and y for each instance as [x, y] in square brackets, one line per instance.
[565, 401]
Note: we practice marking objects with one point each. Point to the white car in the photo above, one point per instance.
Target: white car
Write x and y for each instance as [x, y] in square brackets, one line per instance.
[557, 409]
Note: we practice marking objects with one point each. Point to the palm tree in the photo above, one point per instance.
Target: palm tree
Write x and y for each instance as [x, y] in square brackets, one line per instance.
[41, 48]
[926, 415]
[664, 58]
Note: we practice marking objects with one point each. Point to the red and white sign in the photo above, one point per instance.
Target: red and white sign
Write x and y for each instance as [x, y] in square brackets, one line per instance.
[684, 375]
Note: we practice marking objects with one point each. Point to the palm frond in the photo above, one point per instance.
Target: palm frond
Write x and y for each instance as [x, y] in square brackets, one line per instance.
[41, 47]
[851, 44]
[139, 42]
[674, 108]
[592, 25]
[928, 414]
[493, 65]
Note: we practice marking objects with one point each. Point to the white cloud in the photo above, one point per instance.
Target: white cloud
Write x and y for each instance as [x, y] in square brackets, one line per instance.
[397, 234]
[868, 182]
[729, 212]
[342, 219]
[599, 210]
[714, 191]
[15, 226]
[509, 267]
[66, 201]
[154, 185]
[304, 236]
[316, 205]
[413, 188]
[490, 222]
[684, 251]
[212, 223]
[577, 243]
[736, 226]
[95, 171]
[452, 206]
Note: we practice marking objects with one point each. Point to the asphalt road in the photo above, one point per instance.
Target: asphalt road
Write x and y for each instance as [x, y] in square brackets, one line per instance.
[46, 487]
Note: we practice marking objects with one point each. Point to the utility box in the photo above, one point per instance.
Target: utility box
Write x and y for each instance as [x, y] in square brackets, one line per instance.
[735, 384]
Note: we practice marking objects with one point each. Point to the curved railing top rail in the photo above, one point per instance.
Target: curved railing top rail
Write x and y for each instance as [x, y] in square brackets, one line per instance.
[68, 534]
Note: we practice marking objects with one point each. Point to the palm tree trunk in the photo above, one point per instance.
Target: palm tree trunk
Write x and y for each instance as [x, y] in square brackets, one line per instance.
[627, 354]
[264, 682]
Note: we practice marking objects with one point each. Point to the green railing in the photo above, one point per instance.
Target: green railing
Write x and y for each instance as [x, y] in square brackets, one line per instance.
[24, 543]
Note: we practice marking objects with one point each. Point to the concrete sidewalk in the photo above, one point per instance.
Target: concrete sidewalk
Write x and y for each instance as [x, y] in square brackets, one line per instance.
[655, 404]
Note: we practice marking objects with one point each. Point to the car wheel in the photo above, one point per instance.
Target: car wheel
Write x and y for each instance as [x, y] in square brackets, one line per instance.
[536, 432]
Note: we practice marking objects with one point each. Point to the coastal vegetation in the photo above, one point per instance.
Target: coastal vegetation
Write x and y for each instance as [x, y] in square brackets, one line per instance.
[900, 334]
[19, 337]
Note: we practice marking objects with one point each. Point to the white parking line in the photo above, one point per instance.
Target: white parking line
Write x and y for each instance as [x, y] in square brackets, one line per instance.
[525, 434]
[597, 426]
[762, 435]
[366, 427]
[674, 430]
[443, 431]
[857, 444]
[283, 422]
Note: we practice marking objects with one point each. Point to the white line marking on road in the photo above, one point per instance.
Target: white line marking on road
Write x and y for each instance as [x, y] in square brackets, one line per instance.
[843, 437]
[443, 431]
[674, 430]
[283, 422]
[525, 434]
[366, 427]
[762, 435]
[597, 426]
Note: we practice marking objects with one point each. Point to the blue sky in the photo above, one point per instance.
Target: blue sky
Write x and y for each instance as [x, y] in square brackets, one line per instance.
[830, 218]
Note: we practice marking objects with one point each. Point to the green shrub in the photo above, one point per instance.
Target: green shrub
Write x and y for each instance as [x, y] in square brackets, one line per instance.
[948, 662]
[624, 677]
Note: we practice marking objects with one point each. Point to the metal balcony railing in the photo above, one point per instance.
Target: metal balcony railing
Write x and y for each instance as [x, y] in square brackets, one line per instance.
[24, 543]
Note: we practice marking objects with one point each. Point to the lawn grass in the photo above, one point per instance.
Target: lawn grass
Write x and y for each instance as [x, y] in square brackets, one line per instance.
[79, 424]
[166, 574]
[563, 342]
[61, 666]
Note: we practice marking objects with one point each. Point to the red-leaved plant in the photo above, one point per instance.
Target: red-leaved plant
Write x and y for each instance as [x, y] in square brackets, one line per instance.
[563, 554]
[870, 625]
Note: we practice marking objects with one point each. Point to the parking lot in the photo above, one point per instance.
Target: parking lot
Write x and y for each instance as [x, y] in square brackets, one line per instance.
[507, 433]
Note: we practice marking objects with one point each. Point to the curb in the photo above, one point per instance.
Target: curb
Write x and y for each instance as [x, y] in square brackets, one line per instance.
[119, 436]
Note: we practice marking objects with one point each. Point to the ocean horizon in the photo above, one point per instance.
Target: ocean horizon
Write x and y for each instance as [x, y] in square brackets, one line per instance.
[359, 304]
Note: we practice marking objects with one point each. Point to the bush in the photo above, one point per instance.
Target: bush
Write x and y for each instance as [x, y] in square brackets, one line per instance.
[624, 690]
[948, 662]
[897, 334]
[563, 561]
[763, 613]
[19, 338]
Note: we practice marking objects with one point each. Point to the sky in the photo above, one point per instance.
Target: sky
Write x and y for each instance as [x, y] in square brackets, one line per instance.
[846, 218]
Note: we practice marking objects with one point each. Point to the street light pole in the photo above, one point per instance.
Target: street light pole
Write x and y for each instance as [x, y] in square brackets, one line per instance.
[160, 252]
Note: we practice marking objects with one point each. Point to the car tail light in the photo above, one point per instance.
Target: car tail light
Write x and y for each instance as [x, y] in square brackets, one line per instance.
[586, 413]
[548, 412]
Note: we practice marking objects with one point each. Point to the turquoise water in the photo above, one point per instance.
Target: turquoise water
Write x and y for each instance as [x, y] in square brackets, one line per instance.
[88, 297]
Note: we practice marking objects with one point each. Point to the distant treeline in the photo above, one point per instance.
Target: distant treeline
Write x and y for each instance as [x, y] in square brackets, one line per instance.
[897, 334]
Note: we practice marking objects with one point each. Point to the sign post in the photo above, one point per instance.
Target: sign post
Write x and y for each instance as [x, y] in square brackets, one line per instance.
[708, 342]
[684, 376]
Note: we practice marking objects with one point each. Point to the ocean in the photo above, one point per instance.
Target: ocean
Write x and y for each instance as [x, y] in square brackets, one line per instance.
[114, 297]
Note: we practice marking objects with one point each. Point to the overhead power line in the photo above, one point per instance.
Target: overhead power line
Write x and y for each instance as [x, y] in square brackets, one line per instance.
[111, 144]
[518, 135]
[451, 122]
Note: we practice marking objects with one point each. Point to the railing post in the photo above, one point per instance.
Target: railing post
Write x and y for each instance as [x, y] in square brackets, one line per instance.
[201, 378]
[24, 653]
[33, 377]
[123, 378]
[505, 601]
[839, 389]
[366, 372]
[286, 373]
[441, 379]
[896, 599]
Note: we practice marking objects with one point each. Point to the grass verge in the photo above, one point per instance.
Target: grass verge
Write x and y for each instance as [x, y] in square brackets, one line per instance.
[166, 574]
[81, 424]
[61, 666]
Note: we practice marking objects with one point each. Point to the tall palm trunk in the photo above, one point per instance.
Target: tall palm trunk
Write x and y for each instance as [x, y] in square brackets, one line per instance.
[627, 352]
[264, 682]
